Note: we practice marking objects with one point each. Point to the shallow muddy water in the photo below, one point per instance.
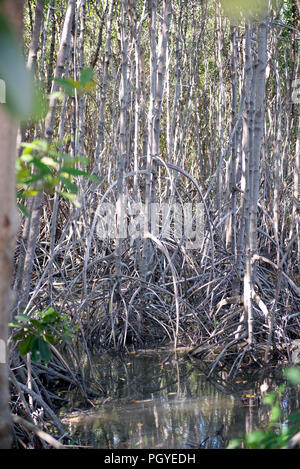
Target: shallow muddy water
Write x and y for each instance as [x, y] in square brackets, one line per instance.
[153, 400]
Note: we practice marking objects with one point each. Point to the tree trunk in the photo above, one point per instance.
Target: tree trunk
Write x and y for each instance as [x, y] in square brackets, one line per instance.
[8, 229]
[35, 40]
[104, 82]
[63, 54]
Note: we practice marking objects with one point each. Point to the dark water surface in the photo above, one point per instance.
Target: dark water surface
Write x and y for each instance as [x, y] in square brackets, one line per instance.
[154, 400]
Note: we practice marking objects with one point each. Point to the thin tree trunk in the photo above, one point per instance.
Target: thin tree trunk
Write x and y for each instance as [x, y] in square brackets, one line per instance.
[63, 55]
[254, 173]
[79, 147]
[152, 6]
[221, 108]
[123, 98]
[231, 225]
[100, 132]
[44, 41]
[52, 50]
[35, 39]
[243, 255]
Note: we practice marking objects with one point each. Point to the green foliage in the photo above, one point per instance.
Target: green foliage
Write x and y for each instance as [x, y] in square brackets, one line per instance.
[293, 375]
[18, 80]
[239, 10]
[271, 437]
[41, 167]
[83, 85]
[35, 334]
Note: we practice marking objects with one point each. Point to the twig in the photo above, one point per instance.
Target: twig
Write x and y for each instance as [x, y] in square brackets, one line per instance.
[40, 433]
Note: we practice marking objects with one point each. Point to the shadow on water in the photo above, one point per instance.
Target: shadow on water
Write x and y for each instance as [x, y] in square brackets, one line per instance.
[156, 401]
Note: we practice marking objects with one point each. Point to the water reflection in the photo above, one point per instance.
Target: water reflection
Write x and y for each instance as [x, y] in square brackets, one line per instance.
[159, 402]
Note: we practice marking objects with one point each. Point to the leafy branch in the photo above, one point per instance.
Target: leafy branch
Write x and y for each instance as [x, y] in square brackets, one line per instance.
[41, 167]
[272, 437]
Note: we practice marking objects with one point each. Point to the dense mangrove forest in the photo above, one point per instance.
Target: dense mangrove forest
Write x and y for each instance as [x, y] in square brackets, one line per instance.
[149, 224]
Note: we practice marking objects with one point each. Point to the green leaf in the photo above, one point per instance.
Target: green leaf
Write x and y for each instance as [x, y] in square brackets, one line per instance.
[72, 171]
[74, 159]
[49, 338]
[14, 325]
[255, 438]
[22, 317]
[68, 84]
[234, 444]
[67, 336]
[44, 168]
[50, 316]
[26, 156]
[36, 322]
[19, 335]
[40, 350]
[293, 375]
[39, 145]
[30, 192]
[47, 312]
[49, 162]
[57, 95]
[86, 76]
[23, 209]
[294, 418]
[275, 413]
[93, 178]
[79, 172]
[270, 398]
[68, 184]
[34, 178]
[25, 345]
[22, 173]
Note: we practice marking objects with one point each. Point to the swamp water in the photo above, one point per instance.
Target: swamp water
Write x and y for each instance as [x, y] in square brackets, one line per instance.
[157, 401]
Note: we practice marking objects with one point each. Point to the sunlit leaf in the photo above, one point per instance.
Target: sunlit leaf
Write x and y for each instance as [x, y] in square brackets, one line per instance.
[56, 95]
[234, 444]
[38, 145]
[270, 398]
[275, 413]
[30, 193]
[50, 162]
[255, 438]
